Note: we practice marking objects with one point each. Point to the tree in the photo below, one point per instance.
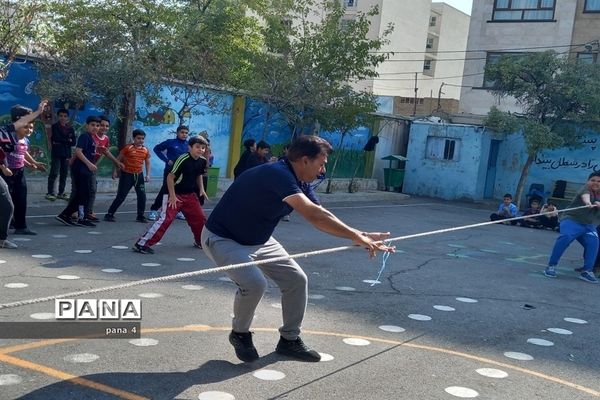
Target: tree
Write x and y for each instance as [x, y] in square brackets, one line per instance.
[309, 62]
[20, 29]
[555, 93]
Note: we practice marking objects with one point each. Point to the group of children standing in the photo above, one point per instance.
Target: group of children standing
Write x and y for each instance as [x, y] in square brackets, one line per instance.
[183, 181]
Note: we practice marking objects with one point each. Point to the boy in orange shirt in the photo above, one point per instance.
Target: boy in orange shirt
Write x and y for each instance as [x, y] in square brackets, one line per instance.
[133, 156]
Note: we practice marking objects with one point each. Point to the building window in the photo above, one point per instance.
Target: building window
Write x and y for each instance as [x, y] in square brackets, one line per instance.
[429, 44]
[441, 148]
[350, 3]
[588, 58]
[523, 10]
[427, 65]
[345, 24]
[591, 6]
[432, 20]
[493, 58]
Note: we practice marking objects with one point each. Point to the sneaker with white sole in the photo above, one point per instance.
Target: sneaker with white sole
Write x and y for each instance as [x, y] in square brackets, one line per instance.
[588, 276]
[7, 244]
[180, 216]
[550, 271]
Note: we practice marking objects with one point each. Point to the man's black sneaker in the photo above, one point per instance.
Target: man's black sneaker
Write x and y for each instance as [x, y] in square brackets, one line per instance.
[109, 218]
[65, 220]
[244, 348]
[297, 349]
[142, 249]
[142, 219]
[92, 217]
[86, 222]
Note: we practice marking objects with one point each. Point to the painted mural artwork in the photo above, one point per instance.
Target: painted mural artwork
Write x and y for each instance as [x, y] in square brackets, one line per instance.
[160, 122]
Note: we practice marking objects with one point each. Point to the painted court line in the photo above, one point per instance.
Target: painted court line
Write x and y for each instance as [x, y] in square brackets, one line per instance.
[5, 357]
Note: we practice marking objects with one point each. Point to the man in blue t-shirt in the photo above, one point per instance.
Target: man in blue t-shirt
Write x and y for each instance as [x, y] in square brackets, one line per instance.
[240, 228]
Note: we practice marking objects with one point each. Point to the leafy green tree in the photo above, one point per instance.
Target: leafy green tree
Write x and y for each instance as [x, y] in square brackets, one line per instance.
[309, 62]
[21, 27]
[555, 93]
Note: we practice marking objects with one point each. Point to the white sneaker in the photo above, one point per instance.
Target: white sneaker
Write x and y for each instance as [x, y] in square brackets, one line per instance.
[152, 215]
[180, 216]
[7, 244]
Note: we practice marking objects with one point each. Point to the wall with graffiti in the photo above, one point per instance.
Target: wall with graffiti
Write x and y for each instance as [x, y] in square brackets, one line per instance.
[207, 111]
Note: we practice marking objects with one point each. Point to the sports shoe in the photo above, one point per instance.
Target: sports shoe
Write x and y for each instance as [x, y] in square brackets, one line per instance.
[86, 222]
[244, 348]
[297, 349]
[142, 219]
[197, 245]
[152, 215]
[180, 216]
[7, 244]
[62, 196]
[109, 218]
[92, 217]
[550, 271]
[286, 218]
[25, 231]
[142, 249]
[588, 277]
[50, 197]
[65, 220]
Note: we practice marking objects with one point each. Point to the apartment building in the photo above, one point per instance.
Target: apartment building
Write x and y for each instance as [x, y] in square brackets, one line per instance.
[569, 27]
[428, 42]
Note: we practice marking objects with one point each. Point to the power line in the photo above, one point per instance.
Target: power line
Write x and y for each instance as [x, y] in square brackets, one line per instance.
[483, 50]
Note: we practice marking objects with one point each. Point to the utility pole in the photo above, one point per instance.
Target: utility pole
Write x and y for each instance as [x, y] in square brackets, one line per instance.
[416, 90]
[439, 106]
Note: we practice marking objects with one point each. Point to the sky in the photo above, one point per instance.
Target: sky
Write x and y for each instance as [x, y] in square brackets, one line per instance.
[462, 5]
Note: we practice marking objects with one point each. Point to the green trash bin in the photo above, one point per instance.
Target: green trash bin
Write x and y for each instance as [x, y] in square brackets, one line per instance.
[393, 177]
[212, 181]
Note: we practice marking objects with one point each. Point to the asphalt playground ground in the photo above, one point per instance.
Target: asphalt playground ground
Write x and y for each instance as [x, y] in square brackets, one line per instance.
[462, 314]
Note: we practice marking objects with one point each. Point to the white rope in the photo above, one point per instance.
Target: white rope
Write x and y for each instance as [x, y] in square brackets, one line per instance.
[259, 262]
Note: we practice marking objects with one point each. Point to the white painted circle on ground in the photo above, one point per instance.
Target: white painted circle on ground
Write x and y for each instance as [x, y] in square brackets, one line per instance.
[16, 285]
[192, 287]
[41, 223]
[144, 342]
[112, 270]
[356, 342]
[150, 265]
[68, 277]
[326, 357]
[276, 305]
[82, 358]
[120, 247]
[10, 379]
[466, 300]
[391, 328]
[186, 259]
[225, 279]
[42, 315]
[576, 320]
[59, 236]
[316, 296]
[269, 375]
[444, 308]
[158, 244]
[560, 331]
[515, 355]
[371, 281]
[463, 392]
[2, 261]
[95, 233]
[82, 251]
[345, 288]
[150, 295]
[41, 256]
[214, 395]
[492, 373]
[540, 342]
[419, 317]
[21, 239]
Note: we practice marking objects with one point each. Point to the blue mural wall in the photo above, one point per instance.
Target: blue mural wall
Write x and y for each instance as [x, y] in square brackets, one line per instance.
[571, 164]
[160, 123]
[428, 174]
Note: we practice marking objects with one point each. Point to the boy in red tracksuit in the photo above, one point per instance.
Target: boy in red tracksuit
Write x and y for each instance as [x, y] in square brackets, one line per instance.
[184, 183]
